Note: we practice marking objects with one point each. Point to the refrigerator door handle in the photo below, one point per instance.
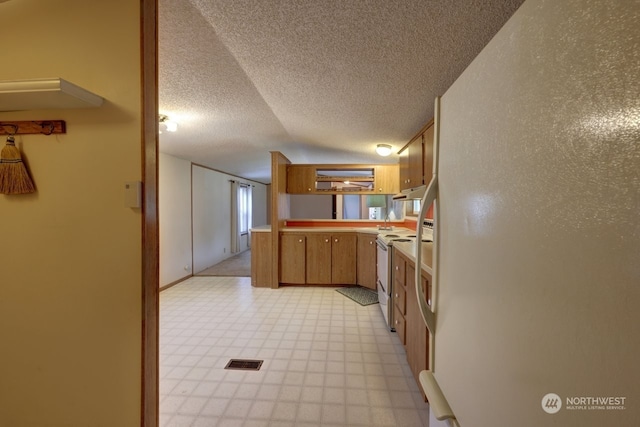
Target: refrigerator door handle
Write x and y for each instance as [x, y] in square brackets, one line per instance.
[428, 198]
[428, 382]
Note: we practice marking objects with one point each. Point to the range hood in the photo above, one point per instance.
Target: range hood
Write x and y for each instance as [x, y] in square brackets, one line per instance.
[414, 193]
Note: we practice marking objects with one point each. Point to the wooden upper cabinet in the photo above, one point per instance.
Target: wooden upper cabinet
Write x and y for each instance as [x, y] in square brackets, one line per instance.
[404, 169]
[416, 162]
[416, 159]
[427, 146]
[411, 164]
[387, 179]
[301, 179]
[342, 179]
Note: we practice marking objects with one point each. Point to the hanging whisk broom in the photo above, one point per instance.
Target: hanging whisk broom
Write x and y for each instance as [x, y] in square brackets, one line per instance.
[14, 178]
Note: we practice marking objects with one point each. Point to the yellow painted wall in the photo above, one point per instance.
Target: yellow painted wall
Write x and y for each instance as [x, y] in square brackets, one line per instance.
[70, 255]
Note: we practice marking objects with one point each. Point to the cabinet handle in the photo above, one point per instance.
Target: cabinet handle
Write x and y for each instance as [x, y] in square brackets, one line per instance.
[326, 240]
[371, 243]
[397, 296]
[300, 241]
[397, 323]
[308, 189]
[396, 268]
[336, 240]
[380, 190]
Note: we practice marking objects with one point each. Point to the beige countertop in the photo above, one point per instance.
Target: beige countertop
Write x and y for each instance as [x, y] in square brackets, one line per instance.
[370, 230]
[336, 229]
[426, 254]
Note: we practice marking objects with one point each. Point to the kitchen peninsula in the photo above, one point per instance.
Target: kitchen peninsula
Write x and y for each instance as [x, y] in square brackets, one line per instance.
[319, 253]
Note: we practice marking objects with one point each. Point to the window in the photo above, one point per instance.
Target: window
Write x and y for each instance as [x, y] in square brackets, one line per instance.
[244, 208]
[412, 208]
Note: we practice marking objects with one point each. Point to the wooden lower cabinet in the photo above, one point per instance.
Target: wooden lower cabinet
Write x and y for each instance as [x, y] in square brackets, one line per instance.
[343, 259]
[366, 262]
[261, 259]
[292, 258]
[318, 258]
[408, 320]
[416, 330]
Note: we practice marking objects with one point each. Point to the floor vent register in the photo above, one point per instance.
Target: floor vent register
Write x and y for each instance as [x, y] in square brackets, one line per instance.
[244, 364]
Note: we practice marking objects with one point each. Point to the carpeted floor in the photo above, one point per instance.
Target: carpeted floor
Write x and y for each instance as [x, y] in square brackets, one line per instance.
[238, 265]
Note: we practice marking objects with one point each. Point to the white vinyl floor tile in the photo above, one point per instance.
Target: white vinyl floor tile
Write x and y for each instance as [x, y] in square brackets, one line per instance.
[327, 360]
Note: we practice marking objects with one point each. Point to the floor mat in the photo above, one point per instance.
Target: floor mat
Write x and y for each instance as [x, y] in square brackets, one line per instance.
[362, 296]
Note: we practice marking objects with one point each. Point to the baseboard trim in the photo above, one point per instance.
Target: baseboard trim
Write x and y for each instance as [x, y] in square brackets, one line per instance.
[165, 287]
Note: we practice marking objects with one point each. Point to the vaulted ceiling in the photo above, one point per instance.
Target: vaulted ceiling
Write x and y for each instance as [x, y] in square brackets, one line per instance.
[322, 81]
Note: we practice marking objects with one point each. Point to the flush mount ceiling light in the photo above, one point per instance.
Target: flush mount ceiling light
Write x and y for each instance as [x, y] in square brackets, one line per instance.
[169, 125]
[384, 149]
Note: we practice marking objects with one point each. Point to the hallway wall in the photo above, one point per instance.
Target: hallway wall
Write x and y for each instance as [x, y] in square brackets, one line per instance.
[71, 264]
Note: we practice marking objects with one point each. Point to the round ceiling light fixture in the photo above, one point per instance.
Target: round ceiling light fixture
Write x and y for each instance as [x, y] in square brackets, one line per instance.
[383, 149]
[169, 125]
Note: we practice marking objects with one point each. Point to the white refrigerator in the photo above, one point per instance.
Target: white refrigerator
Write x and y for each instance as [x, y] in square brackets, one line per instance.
[537, 300]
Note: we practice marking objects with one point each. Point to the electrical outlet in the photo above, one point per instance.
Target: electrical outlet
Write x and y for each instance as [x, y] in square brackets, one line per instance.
[224, 251]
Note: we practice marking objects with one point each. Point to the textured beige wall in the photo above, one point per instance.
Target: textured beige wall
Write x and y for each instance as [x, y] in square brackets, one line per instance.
[70, 268]
[540, 240]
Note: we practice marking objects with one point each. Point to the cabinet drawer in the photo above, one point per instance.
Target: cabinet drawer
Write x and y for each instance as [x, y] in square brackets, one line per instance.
[400, 298]
[399, 266]
[399, 325]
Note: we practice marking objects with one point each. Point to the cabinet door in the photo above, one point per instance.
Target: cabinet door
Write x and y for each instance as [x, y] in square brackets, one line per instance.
[404, 169]
[427, 146]
[367, 253]
[415, 328]
[416, 163]
[301, 179]
[261, 260]
[343, 259]
[399, 324]
[387, 179]
[318, 259]
[399, 266]
[292, 258]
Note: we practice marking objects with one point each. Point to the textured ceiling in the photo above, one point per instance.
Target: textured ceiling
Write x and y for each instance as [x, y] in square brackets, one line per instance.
[322, 81]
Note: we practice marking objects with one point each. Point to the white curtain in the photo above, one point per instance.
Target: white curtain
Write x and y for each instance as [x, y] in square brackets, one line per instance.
[249, 204]
[235, 217]
[241, 219]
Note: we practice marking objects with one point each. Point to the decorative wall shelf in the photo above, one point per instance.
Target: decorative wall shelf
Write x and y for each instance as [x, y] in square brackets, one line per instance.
[33, 127]
[44, 94]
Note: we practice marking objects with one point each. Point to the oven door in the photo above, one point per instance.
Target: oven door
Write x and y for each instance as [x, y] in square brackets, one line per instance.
[382, 265]
[383, 300]
[383, 285]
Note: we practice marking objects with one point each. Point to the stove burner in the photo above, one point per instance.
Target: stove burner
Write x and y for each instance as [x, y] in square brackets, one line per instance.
[412, 235]
[401, 240]
[427, 240]
[391, 235]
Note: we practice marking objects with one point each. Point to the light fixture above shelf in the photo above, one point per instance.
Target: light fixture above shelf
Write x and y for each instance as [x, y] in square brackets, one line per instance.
[45, 94]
